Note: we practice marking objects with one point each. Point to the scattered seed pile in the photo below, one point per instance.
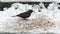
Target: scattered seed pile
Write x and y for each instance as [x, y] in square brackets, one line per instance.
[43, 22]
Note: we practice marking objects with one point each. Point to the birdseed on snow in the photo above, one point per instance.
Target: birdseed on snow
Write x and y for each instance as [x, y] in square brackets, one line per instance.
[43, 22]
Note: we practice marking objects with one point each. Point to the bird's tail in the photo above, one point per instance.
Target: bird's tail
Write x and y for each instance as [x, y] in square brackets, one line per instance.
[14, 16]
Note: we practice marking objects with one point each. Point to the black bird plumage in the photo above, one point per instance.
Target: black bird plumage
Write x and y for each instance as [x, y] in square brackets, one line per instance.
[25, 15]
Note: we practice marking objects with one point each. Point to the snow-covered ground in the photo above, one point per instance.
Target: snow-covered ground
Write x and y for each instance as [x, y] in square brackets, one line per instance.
[7, 19]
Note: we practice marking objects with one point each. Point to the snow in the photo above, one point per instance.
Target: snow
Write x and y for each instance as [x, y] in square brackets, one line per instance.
[6, 15]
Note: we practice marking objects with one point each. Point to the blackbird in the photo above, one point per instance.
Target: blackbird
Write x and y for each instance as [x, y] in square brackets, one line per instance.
[25, 15]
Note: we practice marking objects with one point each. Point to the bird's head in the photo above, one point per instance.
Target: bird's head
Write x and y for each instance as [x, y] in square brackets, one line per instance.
[30, 10]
